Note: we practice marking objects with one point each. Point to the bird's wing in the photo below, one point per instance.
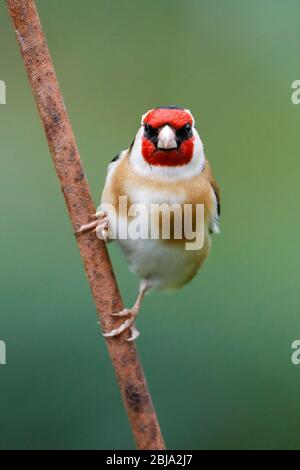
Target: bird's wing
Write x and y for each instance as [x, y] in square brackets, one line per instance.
[115, 161]
[109, 193]
[215, 219]
[216, 190]
[116, 158]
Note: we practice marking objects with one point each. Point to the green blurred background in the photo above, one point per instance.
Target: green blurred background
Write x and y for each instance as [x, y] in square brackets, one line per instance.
[217, 353]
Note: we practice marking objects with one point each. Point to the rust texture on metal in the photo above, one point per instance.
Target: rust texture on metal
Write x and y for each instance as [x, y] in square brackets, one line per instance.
[66, 159]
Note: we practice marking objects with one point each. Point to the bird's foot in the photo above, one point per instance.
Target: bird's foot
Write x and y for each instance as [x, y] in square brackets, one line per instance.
[127, 324]
[131, 313]
[100, 225]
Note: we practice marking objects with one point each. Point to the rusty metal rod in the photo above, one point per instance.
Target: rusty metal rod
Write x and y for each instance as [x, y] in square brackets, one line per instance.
[66, 159]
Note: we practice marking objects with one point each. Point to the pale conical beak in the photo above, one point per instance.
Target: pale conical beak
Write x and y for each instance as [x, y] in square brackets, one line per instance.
[167, 138]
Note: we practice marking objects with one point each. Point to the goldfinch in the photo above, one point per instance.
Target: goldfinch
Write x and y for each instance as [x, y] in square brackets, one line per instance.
[165, 164]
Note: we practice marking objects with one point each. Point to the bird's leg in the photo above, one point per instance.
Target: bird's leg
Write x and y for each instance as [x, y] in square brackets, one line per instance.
[100, 225]
[132, 314]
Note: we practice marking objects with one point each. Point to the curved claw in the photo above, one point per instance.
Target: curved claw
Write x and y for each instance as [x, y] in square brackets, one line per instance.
[99, 214]
[122, 313]
[120, 329]
[85, 227]
[102, 229]
[124, 326]
[134, 333]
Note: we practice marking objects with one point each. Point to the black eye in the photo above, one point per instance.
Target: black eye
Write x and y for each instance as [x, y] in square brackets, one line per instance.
[188, 128]
[149, 131]
[184, 133]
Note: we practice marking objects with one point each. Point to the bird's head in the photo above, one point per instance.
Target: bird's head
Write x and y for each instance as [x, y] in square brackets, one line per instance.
[166, 140]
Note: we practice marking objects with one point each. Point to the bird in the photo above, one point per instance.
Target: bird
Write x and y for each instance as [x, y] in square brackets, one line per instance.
[165, 164]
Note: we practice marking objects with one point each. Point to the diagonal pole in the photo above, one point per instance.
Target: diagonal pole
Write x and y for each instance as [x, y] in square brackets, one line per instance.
[66, 159]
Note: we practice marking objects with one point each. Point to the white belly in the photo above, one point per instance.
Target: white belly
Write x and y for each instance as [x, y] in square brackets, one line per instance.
[166, 266]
